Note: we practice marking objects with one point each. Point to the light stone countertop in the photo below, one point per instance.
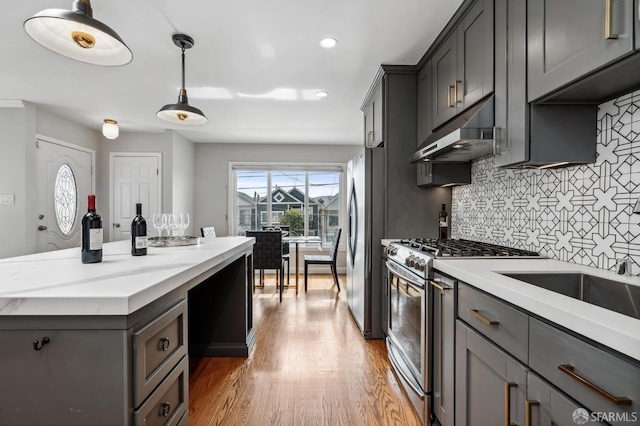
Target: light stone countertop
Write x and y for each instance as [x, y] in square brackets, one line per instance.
[58, 283]
[617, 331]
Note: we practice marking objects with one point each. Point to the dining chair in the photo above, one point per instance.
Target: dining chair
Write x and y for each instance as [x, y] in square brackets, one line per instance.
[286, 256]
[208, 231]
[267, 254]
[324, 259]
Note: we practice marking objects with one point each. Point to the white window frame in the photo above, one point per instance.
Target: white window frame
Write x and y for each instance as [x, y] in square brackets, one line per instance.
[293, 166]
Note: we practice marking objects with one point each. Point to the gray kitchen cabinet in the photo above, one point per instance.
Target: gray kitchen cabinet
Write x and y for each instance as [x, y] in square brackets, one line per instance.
[443, 349]
[597, 379]
[430, 174]
[462, 67]
[373, 120]
[548, 407]
[386, 290]
[490, 385]
[570, 39]
[424, 104]
[540, 134]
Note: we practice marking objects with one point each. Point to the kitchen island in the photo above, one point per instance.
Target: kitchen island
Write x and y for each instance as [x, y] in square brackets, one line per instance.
[108, 343]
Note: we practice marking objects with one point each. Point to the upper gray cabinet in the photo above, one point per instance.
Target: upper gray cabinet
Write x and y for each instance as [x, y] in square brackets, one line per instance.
[570, 39]
[424, 103]
[462, 67]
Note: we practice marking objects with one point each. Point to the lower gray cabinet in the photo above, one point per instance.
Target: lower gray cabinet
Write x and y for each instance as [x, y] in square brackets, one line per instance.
[490, 385]
[385, 298]
[545, 406]
[443, 349]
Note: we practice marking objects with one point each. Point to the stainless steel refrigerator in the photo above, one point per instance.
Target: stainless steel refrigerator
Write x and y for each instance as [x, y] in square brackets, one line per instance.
[384, 202]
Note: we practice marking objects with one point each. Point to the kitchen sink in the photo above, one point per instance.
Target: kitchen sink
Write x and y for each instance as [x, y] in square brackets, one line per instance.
[609, 294]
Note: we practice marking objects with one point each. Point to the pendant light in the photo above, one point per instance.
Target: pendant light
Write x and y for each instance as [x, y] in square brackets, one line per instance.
[182, 112]
[76, 35]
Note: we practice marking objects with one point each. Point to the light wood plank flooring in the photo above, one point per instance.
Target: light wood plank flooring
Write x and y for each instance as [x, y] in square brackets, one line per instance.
[310, 366]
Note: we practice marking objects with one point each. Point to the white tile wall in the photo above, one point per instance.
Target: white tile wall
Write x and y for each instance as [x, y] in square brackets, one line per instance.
[579, 214]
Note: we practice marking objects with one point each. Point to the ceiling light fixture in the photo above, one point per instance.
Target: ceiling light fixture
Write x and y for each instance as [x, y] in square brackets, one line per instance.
[182, 112]
[110, 129]
[328, 42]
[322, 94]
[76, 35]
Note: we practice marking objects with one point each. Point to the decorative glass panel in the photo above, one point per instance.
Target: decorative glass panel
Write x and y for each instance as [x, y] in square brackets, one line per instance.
[65, 199]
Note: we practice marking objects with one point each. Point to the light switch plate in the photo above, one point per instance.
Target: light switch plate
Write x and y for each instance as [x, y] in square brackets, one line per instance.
[7, 199]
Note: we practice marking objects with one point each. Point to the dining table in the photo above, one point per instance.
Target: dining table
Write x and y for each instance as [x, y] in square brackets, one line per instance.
[297, 240]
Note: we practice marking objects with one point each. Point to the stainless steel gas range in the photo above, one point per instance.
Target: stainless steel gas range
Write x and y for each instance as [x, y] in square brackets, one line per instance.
[421, 317]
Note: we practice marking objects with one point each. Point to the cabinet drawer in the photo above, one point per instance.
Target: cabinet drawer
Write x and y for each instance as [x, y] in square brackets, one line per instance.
[157, 348]
[169, 402]
[599, 380]
[504, 325]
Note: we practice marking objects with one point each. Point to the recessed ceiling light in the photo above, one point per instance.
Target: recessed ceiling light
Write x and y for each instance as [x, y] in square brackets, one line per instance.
[322, 94]
[328, 42]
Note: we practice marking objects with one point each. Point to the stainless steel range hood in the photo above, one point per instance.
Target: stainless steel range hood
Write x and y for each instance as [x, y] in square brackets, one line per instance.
[469, 135]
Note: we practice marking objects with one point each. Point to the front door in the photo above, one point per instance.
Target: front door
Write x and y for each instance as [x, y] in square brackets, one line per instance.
[136, 179]
[64, 180]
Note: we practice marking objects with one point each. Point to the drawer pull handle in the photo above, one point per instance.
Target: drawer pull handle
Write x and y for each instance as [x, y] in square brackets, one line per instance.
[528, 404]
[38, 345]
[450, 104]
[474, 313]
[438, 286]
[165, 409]
[570, 371]
[164, 343]
[507, 403]
[608, 34]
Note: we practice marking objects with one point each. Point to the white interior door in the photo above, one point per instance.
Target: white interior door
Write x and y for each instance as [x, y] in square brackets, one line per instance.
[135, 179]
[63, 183]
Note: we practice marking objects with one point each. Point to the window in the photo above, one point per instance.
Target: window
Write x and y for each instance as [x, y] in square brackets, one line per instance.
[65, 199]
[306, 198]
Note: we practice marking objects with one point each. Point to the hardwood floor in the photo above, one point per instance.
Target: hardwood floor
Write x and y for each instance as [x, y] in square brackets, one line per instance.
[310, 366]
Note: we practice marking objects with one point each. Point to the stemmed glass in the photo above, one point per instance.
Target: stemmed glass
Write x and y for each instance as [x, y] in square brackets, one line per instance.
[173, 222]
[158, 223]
[184, 219]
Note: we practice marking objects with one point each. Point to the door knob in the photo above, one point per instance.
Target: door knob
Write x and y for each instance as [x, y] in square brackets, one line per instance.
[42, 228]
[116, 225]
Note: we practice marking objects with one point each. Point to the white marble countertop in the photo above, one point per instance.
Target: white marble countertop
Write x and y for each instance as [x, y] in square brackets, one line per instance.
[617, 331]
[58, 283]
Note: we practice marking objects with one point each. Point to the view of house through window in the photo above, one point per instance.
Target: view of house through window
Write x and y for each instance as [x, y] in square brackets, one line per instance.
[307, 201]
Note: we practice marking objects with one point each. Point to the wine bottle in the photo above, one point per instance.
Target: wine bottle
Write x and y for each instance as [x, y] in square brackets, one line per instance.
[443, 221]
[138, 233]
[91, 234]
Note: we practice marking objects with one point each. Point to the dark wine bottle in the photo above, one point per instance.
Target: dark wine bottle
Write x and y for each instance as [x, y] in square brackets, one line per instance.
[138, 233]
[91, 234]
[443, 222]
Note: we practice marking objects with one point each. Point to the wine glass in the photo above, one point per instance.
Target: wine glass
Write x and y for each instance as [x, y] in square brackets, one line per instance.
[173, 223]
[165, 223]
[157, 223]
[184, 218]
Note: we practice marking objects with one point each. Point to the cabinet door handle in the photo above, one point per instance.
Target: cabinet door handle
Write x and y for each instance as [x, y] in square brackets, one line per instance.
[449, 103]
[507, 403]
[370, 137]
[528, 404]
[474, 313]
[455, 91]
[570, 371]
[163, 344]
[608, 12]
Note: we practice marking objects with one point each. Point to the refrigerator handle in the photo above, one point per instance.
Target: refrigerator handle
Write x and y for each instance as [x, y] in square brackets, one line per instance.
[353, 227]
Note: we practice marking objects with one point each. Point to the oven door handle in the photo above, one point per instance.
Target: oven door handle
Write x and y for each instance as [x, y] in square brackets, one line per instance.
[412, 281]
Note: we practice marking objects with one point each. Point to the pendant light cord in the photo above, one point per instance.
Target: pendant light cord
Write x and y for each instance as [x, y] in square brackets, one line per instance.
[183, 85]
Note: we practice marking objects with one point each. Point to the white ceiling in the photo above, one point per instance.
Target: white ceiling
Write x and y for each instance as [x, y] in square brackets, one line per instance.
[246, 54]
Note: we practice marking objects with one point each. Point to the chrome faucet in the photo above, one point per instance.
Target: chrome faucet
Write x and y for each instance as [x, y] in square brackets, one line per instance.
[623, 266]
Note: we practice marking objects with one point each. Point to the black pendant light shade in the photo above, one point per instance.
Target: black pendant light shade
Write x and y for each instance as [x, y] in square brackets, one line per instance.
[76, 35]
[182, 112]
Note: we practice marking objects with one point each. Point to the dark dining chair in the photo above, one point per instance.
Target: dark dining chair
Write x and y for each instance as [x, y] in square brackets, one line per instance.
[267, 254]
[286, 256]
[208, 231]
[324, 259]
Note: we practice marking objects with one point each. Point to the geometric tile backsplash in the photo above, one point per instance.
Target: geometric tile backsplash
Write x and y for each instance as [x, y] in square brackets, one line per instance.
[580, 214]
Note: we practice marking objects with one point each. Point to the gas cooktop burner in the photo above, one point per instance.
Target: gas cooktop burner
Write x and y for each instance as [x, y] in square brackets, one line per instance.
[463, 248]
